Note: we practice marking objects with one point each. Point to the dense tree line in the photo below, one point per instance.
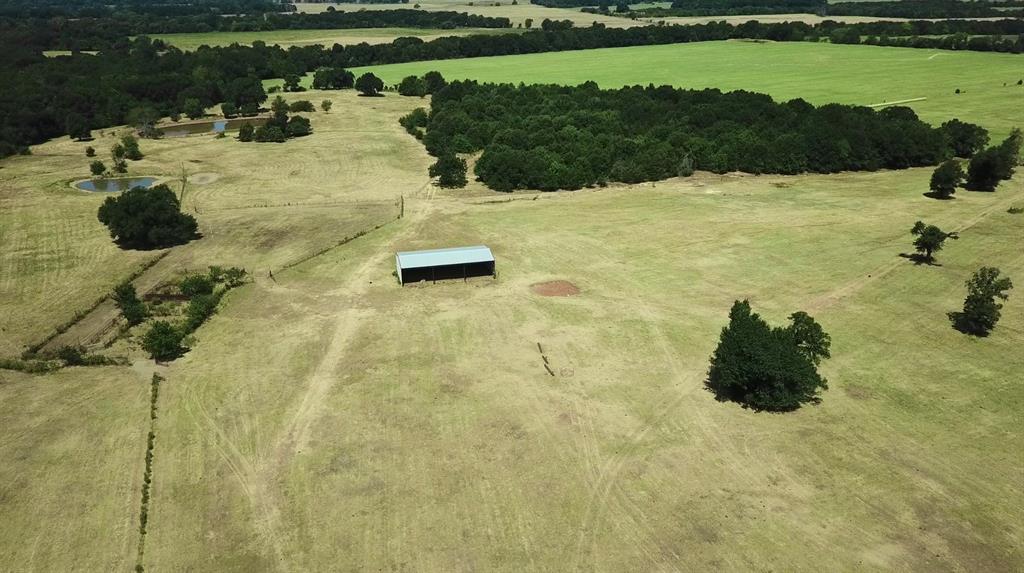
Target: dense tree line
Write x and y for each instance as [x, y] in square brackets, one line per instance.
[879, 9]
[927, 9]
[106, 8]
[556, 137]
[105, 32]
[143, 80]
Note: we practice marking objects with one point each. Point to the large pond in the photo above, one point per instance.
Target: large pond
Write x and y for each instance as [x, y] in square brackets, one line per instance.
[214, 126]
[114, 185]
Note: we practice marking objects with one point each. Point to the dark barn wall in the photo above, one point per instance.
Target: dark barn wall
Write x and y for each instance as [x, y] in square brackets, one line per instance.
[447, 272]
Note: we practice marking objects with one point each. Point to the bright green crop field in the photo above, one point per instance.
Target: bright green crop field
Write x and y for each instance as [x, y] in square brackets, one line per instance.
[819, 73]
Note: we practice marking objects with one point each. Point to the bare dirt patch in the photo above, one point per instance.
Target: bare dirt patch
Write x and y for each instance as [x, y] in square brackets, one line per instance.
[555, 288]
[203, 178]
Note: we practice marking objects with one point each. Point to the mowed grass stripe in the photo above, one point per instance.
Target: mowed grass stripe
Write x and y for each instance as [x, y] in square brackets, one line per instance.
[819, 73]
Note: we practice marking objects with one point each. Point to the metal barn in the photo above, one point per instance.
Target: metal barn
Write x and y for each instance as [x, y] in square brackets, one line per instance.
[440, 264]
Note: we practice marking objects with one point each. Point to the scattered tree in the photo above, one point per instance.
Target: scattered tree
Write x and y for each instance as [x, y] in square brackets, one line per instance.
[930, 240]
[450, 171]
[97, 168]
[301, 105]
[946, 178]
[965, 139]
[120, 166]
[163, 341]
[326, 105]
[193, 285]
[132, 309]
[229, 109]
[768, 368]
[147, 218]
[981, 312]
[333, 79]
[435, 82]
[130, 146]
[298, 126]
[369, 84]
[144, 119]
[90, 151]
[291, 83]
[249, 109]
[412, 86]
[269, 133]
[246, 132]
[995, 164]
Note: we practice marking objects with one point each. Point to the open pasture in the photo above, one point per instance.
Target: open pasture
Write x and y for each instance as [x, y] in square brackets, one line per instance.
[286, 38]
[260, 206]
[360, 425]
[817, 72]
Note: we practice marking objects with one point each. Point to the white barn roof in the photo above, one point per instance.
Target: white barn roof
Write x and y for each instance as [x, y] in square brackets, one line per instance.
[442, 257]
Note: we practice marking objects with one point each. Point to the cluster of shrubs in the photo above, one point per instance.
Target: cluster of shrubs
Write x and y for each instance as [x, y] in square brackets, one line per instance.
[551, 137]
[120, 153]
[165, 340]
[279, 127]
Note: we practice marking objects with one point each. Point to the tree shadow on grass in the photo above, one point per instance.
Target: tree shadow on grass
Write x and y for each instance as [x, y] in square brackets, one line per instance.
[936, 196]
[962, 324]
[744, 402]
[919, 259]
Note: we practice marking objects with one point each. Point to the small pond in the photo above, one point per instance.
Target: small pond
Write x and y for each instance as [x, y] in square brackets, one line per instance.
[114, 185]
[213, 126]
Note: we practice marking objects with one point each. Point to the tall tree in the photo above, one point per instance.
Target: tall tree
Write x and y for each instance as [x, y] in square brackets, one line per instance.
[981, 312]
[930, 239]
[946, 178]
[965, 139]
[765, 368]
[434, 81]
[78, 127]
[147, 218]
[132, 309]
[369, 84]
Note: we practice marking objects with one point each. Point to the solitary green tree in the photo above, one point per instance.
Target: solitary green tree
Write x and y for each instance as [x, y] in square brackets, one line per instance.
[97, 168]
[326, 105]
[981, 312]
[946, 178]
[930, 239]
[369, 84]
[147, 218]
[765, 368]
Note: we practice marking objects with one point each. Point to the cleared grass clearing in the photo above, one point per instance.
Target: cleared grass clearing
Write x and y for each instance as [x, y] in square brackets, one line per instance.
[817, 72]
[285, 38]
[262, 206]
[359, 425]
[70, 484]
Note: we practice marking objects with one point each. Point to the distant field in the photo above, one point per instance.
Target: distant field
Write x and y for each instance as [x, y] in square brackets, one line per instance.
[285, 38]
[817, 72]
[518, 14]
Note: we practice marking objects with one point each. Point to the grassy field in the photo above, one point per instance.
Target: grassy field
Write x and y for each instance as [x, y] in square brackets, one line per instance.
[285, 38]
[386, 428]
[328, 419]
[73, 446]
[819, 73]
[259, 206]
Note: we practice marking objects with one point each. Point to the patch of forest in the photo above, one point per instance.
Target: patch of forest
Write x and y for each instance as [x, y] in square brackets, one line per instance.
[552, 137]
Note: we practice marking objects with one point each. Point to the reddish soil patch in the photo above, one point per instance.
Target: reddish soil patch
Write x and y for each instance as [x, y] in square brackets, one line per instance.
[555, 288]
